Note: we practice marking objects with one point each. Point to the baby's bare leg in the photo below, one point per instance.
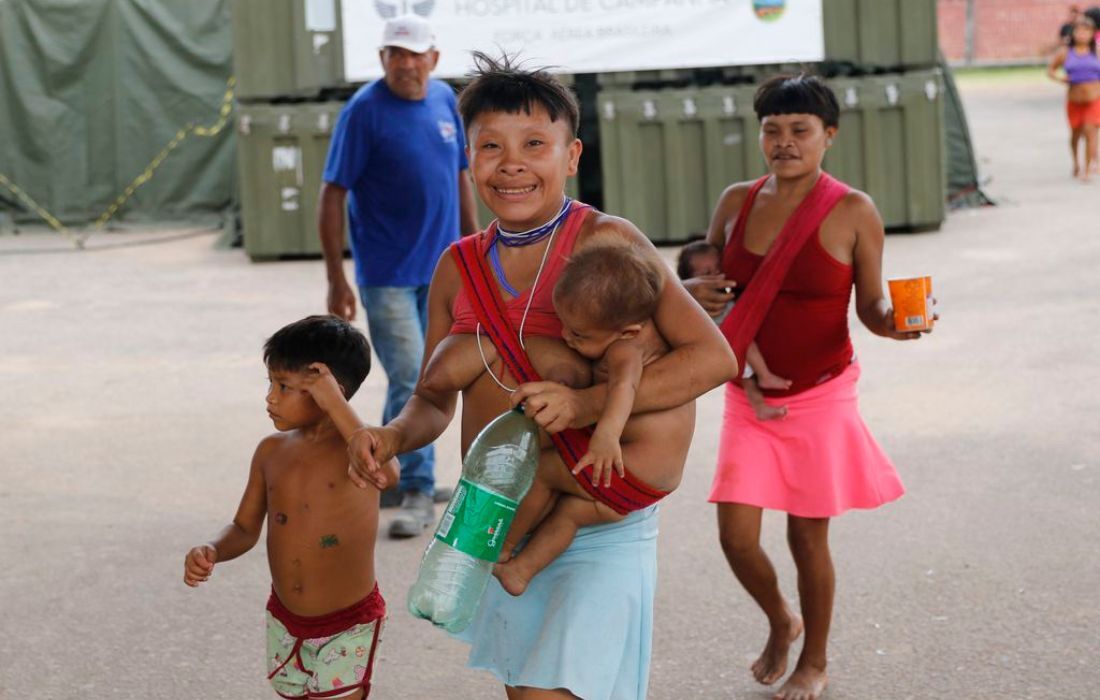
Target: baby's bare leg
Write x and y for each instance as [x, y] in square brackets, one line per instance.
[552, 537]
[550, 478]
[761, 372]
[532, 510]
[655, 446]
[762, 409]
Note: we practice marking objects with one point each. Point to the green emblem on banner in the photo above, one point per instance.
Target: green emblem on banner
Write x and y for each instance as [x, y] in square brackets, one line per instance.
[476, 521]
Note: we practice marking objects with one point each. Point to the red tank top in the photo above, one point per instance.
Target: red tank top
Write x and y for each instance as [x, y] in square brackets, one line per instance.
[804, 336]
[542, 320]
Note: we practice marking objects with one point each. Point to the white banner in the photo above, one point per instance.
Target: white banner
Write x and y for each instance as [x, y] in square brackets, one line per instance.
[595, 36]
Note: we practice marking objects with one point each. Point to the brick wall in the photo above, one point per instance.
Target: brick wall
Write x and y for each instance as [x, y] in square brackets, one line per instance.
[1004, 30]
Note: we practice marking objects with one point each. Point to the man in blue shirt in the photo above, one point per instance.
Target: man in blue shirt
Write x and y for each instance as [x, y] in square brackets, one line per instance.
[397, 163]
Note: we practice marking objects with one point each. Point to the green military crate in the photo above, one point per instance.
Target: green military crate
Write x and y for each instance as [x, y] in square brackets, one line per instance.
[887, 34]
[287, 47]
[891, 145]
[667, 155]
[281, 151]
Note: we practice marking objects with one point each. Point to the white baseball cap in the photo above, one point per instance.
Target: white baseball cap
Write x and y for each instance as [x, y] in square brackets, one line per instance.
[410, 32]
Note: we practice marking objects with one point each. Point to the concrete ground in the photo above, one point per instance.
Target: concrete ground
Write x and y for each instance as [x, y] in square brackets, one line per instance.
[133, 397]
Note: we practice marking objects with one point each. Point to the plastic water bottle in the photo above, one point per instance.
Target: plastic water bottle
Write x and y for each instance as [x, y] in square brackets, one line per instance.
[496, 474]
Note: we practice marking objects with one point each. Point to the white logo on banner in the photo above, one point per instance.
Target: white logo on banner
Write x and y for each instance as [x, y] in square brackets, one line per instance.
[592, 36]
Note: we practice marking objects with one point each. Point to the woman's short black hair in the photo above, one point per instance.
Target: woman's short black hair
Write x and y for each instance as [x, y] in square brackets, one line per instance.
[797, 94]
[503, 85]
[328, 339]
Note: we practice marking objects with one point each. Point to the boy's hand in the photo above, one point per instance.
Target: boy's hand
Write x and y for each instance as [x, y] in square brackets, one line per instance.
[199, 564]
[605, 455]
[387, 476]
[321, 385]
[369, 449]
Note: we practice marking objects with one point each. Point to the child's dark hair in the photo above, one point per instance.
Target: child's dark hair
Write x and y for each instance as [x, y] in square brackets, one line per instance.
[612, 284]
[797, 94]
[503, 85]
[688, 253]
[327, 339]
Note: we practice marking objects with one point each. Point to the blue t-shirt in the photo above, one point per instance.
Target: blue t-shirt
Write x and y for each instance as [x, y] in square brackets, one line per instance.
[399, 160]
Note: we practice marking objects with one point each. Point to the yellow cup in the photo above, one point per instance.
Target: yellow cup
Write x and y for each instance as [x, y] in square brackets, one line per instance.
[912, 299]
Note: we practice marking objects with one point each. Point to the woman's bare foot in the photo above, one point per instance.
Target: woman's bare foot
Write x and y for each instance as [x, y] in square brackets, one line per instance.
[806, 683]
[772, 663]
[512, 578]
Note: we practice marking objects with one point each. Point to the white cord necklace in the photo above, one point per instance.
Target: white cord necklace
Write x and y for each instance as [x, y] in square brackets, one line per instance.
[523, 319]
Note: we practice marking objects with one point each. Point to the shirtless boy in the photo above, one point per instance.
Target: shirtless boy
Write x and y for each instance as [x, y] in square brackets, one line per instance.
[325, 612]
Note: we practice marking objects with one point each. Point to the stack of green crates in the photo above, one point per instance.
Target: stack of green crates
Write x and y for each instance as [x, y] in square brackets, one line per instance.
[281, 150]
[287, 55]
[891, 145]
[668, 152]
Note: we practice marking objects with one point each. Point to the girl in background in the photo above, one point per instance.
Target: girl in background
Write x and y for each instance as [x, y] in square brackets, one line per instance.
[1081, 67]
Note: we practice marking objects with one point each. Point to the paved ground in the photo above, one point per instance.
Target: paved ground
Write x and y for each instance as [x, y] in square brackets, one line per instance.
[133, 396]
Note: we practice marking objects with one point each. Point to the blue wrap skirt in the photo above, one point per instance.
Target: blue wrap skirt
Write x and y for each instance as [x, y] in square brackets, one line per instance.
[585, 623]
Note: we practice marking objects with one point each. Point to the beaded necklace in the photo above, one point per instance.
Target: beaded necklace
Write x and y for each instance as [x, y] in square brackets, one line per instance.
[531, 236]
[514, 239]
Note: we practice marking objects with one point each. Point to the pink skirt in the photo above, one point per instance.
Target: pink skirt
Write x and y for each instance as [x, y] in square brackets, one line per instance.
[819, 461]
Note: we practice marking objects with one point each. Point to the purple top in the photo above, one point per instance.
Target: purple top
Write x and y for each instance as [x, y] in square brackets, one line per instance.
[1082, 67]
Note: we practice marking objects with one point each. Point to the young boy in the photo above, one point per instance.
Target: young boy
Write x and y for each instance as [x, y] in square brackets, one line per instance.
[700, 259]
[325, 612]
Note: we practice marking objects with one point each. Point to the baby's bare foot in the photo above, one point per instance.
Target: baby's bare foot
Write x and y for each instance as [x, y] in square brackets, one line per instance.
[772, 663]
[770, 381]
[806, 683]
[765, 411]
[507, 552]
[512, 578]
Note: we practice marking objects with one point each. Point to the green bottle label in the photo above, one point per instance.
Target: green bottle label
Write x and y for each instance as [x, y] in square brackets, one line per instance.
[476, 521]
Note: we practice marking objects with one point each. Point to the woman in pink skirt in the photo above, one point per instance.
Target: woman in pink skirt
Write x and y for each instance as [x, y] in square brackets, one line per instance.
[794, 244]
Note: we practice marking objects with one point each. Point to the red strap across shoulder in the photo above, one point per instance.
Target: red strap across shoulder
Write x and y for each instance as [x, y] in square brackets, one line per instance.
[625, 494]
[738, 233]
[752, 306]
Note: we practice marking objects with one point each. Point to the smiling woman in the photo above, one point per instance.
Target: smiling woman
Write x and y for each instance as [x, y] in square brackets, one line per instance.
[555, 640]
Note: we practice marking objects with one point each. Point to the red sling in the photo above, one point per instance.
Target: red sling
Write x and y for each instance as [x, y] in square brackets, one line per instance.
[752, 306]
[624, 495]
